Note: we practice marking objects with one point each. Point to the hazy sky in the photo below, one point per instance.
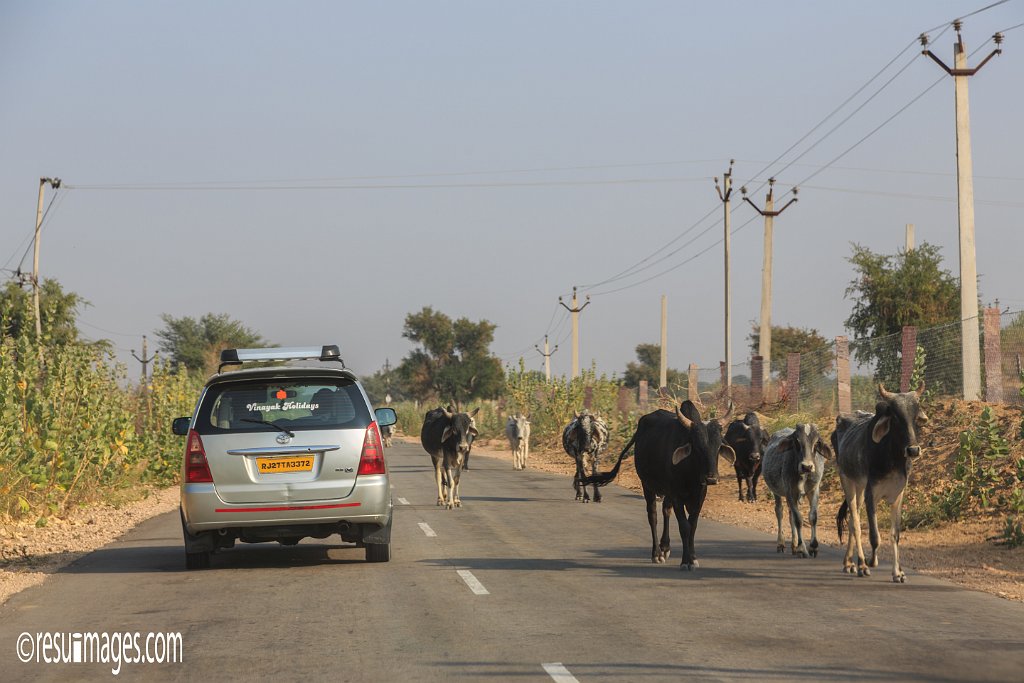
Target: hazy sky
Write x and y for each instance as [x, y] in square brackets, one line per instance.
[484, 157]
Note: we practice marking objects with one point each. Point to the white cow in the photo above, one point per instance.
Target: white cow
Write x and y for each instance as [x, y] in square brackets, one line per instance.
[517, 429]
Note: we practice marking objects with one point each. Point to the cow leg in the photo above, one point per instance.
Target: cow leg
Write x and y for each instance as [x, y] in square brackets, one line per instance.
[526, 452]
[688, 562]
[437, 475]
[896, 513]
[595, 463]
[796, 522]
[666, 528]
[739, 485]
[780, 542]
[869, 502]
[752, 490]
[581, 495]
[449, 501]
[456, 473]
[813, 514]
[853, 498]
[862, 566]
[652, 519]
[694, 516]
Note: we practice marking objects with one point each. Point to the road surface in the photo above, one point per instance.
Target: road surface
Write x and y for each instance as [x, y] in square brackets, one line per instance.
[522, 583]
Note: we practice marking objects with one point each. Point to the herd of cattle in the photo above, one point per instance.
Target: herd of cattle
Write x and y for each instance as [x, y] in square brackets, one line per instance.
[676, 458]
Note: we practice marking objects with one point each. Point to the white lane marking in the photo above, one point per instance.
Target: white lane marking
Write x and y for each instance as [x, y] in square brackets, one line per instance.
[473, 583]
[403, 501]
[427, 530]
[559, 673]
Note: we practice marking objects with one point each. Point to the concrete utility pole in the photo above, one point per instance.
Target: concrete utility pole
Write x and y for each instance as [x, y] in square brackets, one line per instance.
[547, 357]
[764, 344]
[970, 351]
[55, 184]
[909, 246]
[724, 193]
[145, 363]
[575, 310]
[663, 376]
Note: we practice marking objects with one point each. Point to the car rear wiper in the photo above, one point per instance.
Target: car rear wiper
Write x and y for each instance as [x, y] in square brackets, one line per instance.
[269, 424]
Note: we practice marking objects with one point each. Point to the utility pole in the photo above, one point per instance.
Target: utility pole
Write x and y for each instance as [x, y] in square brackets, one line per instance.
[145, 363]
[387, 381]
[547, 357]
[663, 376]
[575, 310]
[909, 246]
[764, 344]
[970, 352]
[724, 193]
[55, 184]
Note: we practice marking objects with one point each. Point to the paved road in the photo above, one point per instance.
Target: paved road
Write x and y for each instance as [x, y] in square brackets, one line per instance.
[523, 583]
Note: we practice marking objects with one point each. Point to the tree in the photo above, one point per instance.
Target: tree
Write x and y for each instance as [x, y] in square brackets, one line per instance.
[648, 367]
[58, 311]
[453, 361]
[381, 383]
[196, 344]
[890, 291]
[815, 350]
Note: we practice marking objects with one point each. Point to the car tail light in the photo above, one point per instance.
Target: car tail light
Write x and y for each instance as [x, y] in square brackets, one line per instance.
[371, 460]
[197, 470]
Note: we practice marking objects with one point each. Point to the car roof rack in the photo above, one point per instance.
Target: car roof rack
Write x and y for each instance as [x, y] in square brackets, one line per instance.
[328, 352]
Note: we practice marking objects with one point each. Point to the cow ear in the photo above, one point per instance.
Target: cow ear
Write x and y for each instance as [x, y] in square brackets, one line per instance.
[922, 418]
[880, 430]
[784, 446]
[446, 434]
[472, 430]
[823, 449]
[680, 454]
[475, 411]
[728, 453]
[764, 440]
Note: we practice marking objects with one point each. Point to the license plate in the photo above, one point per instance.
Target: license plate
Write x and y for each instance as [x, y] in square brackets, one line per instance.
[299, 463]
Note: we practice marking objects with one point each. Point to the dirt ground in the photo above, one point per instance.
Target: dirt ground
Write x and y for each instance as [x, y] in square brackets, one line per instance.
[28, 554]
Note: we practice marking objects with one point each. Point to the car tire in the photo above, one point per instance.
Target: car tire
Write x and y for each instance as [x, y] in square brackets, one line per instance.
[200, 560]
[378, 552]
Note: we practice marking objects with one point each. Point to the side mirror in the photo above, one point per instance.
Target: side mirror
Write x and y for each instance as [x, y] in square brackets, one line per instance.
[386, 417]
[180, 425]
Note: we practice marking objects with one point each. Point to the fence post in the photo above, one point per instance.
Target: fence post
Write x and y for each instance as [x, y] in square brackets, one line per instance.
[909, 351]
[723, 370]
[993, 357]
[642, 396]
[793, 380]
[692, 384]
[756, 378]
[623, 403]
[843, 374]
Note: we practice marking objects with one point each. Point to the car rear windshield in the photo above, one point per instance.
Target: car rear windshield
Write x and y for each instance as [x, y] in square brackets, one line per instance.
[293, 404]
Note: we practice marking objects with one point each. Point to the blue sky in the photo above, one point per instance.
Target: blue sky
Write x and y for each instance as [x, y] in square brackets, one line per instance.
[483, 157]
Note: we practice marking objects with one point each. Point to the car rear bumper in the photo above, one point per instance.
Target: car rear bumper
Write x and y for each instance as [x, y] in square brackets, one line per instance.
[204, 510]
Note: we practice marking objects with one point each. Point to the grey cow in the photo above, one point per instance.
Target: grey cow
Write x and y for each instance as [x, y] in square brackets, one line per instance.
[583, 439]
[517, 429]
[792, 467]
[875, 452]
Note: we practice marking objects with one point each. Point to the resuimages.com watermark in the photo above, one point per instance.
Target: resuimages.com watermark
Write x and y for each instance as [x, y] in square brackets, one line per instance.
[90, 647]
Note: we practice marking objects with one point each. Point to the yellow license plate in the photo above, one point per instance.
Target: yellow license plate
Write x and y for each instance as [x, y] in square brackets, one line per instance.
[299, 463]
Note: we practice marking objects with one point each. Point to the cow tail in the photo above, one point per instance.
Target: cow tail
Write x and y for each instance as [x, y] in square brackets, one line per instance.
[608, 477]
[841, 517]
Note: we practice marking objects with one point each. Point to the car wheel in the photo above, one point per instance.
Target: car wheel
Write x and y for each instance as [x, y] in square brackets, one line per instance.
[378, 552]
[200, 560]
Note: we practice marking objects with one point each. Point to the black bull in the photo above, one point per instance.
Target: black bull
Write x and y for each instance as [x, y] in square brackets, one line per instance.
[676, 458]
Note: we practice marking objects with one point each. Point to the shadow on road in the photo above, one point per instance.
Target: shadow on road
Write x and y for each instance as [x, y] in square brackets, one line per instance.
[134, 559]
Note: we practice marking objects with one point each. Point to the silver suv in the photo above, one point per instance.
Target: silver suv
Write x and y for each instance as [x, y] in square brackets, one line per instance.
[284, 453]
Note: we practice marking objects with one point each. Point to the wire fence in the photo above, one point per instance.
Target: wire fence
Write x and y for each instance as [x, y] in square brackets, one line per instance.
[828, 379]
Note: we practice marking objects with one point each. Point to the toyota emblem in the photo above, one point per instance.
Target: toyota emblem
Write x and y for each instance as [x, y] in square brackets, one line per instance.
[283, 438]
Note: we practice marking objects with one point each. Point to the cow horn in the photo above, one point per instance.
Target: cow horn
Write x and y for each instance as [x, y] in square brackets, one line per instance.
[920, 389]
[686, 422]
[888, 395]
[725, 418]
